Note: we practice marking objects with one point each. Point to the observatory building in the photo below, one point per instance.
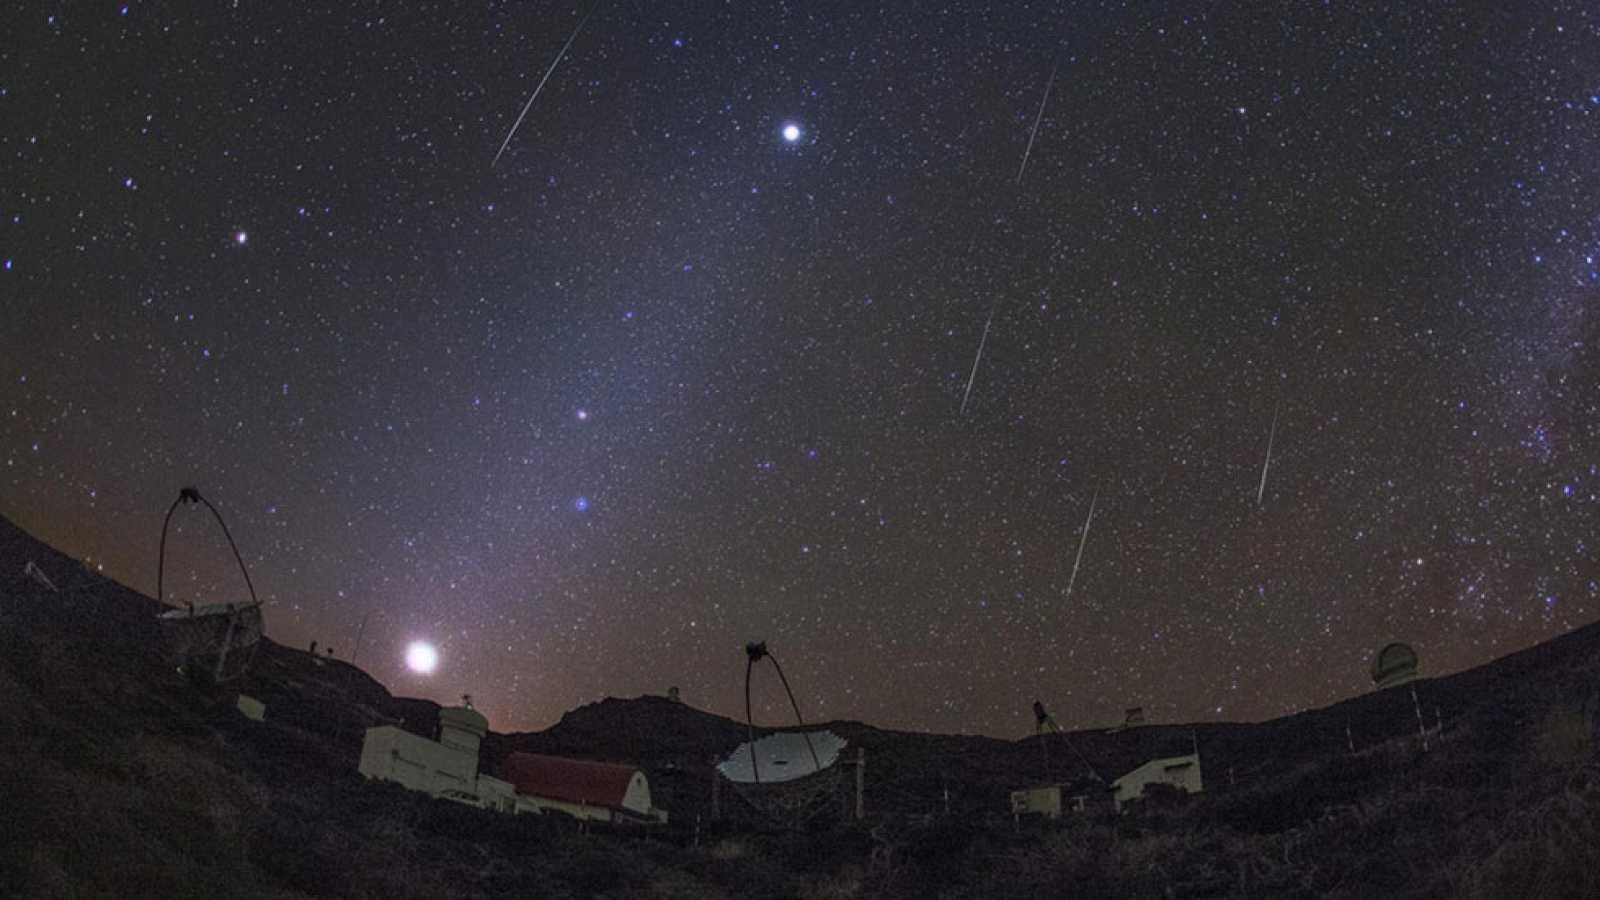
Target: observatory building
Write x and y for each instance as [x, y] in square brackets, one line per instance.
[1181, 772]
[448, 769]
[591, 791]
[1086, 795]
[1395, 664]
[445, 768]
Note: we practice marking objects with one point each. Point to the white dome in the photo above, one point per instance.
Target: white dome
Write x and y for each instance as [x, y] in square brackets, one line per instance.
[1394, 664]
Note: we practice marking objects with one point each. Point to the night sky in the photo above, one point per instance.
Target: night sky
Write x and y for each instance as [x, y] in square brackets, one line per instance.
[662, 380]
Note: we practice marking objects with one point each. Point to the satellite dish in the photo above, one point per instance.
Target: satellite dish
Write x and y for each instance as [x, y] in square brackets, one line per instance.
[220, 639]
[1395, 664]
[213, 642]
[789, 777]
[784, 756]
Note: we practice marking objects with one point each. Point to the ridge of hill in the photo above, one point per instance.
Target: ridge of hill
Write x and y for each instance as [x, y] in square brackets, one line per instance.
[128, 780]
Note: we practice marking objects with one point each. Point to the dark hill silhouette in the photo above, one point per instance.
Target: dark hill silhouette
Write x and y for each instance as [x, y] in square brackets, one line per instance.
[179, 795]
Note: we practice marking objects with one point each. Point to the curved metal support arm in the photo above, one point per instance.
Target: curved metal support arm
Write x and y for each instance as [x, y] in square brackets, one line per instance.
[815, 763]
[754, 652]
[191, 495]
[749, 720]
[161, 560]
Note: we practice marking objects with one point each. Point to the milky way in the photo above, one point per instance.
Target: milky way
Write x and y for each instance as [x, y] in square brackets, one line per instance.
[661, 381]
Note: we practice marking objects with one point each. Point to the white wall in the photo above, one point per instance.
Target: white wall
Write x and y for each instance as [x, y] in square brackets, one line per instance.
[1045, 801]
[397, 755]
[637, 797]
[576, 810]
[1181, 772]
[497, 795]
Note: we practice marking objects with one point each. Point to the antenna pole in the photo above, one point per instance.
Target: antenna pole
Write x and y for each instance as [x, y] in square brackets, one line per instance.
[1044, 720]
[861, 775]
[192, 495]
[753, 652]
[229, 536]
[1044, 751]
[716, 793]
[815, 763]
[227, 641]
[161, 559]
[1422, 727]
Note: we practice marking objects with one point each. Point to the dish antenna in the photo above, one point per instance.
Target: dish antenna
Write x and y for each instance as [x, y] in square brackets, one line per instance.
[1044, 723]
[755, 652]
[788, 777]
[215, 640]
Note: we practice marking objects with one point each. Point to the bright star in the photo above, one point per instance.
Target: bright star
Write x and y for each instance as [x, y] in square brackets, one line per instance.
[583, 415]
[240, 238]
[421, 657]
[791, 132]
[580, 504]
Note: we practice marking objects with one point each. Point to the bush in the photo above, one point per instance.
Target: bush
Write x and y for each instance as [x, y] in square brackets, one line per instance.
[1550, 850]
[1563, 738]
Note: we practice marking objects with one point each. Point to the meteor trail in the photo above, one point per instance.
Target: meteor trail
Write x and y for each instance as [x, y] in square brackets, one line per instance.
[547, 72]
[1036, 120]
[1265, 463]
[977, 359]
[1081, 541]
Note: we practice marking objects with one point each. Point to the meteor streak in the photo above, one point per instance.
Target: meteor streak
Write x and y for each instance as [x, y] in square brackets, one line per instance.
[547, 72]
[1089, 520]
[1036, 120]
[977, 359]
[1266, 463]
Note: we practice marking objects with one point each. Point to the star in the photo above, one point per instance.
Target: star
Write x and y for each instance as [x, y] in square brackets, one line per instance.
[800, 339]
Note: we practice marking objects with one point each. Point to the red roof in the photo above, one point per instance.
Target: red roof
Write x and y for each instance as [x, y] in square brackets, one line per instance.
[571, 780]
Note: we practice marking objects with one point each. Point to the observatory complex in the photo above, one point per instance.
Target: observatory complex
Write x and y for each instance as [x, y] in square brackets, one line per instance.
[449, 769]
[1089, 795]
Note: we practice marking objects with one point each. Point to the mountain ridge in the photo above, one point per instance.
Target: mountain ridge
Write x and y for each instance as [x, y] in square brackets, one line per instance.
[117, 751]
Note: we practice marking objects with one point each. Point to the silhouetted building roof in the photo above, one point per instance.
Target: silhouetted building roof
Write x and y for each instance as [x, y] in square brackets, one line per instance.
[569, 780]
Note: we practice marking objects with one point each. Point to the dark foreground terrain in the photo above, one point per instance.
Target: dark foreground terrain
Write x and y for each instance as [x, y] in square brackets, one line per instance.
[123, 779]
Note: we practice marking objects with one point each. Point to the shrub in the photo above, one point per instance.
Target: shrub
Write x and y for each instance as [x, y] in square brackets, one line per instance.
[1551, 849]
[1563, 738]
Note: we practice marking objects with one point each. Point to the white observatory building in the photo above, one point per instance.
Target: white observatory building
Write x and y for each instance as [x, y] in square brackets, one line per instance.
[1181, 772]
[448, 769]
[1395, 664]
[445, 768]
